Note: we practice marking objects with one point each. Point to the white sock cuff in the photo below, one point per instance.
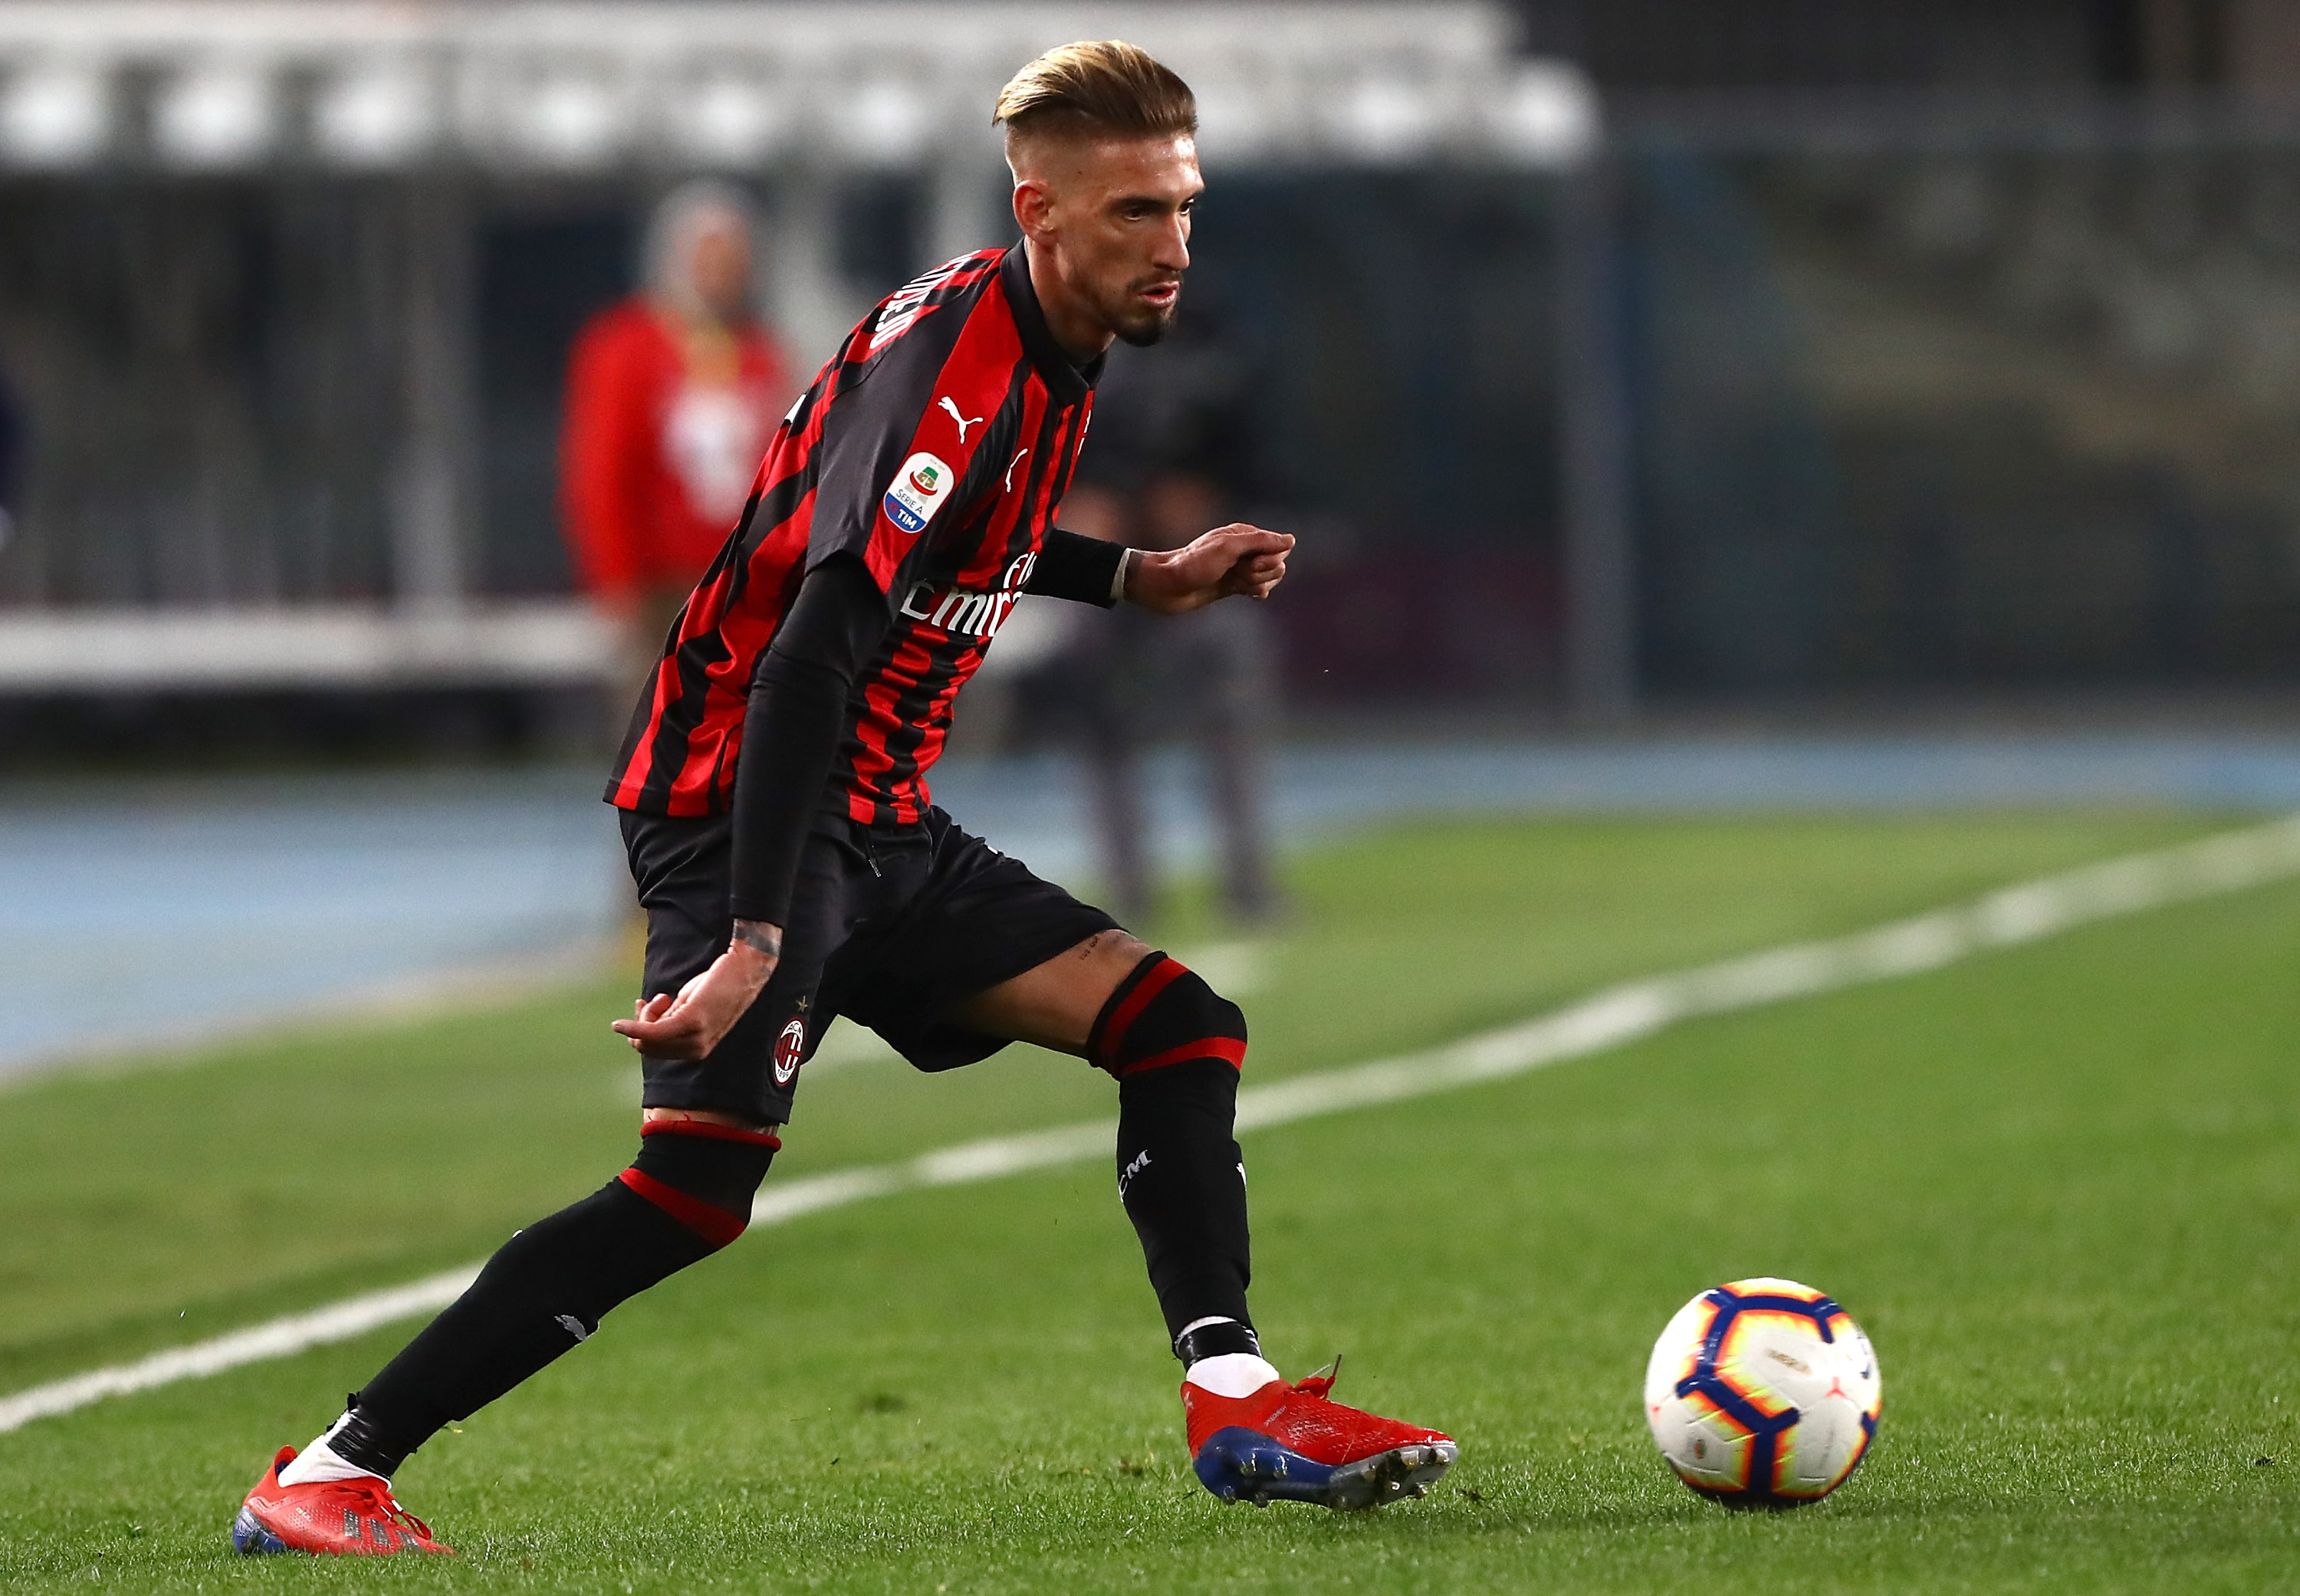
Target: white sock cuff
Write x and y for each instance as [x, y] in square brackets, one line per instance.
[1231, 1374]
[318, 1462]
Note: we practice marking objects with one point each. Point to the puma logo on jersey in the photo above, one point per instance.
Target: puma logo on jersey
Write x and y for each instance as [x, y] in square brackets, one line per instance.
[964, 422]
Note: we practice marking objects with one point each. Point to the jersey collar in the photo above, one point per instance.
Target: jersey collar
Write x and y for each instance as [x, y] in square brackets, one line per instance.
[1066, 383]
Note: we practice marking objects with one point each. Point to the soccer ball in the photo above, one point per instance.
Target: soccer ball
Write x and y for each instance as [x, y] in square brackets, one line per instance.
[1762, 1393]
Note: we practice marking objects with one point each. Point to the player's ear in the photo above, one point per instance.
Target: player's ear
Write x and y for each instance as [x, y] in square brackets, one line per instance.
[1034, 206]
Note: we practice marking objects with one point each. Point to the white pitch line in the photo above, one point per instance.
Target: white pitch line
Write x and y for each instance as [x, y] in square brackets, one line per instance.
[281, 1338]
[2029, 912]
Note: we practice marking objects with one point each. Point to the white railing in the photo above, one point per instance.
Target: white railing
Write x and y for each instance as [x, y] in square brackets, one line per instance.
[534, 644]
[585, 85]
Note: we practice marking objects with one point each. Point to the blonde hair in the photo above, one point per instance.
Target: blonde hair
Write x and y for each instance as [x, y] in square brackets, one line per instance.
[1096, 86]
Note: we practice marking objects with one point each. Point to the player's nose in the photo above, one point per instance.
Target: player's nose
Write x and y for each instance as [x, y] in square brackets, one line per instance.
[1173, 253]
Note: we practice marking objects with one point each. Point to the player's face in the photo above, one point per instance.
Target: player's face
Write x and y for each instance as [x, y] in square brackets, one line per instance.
[720, 266]
[1117, 214]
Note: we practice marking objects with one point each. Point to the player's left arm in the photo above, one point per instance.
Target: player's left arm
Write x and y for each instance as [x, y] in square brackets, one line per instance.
[1237, 560]
[1233, 559]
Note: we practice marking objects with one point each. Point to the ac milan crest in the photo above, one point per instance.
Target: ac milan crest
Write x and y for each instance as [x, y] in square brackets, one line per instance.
[790, 1047]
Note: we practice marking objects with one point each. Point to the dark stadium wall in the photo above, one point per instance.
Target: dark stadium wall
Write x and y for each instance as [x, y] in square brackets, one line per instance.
[209, 368]
[1646, 48]
[1405, 326]
[1975, 412]
[544, 266]
[2014, 416]
[1674, 46]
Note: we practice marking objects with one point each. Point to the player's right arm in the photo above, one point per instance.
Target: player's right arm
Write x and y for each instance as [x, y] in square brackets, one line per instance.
[799, 698]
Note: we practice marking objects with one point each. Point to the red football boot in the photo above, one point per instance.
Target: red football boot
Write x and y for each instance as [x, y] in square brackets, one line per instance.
[336, 1518]
[1288, 1442]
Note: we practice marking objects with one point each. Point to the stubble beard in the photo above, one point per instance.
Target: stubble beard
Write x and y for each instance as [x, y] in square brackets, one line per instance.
[1142, 325]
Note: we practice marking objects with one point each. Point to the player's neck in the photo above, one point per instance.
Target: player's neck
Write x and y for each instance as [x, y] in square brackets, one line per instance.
[1073, 324]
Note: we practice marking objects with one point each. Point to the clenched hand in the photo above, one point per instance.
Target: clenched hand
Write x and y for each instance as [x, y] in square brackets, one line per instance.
[691, 1025]
[1236, 560]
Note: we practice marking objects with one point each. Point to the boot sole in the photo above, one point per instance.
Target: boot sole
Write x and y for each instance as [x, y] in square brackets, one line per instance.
[1238, 1465]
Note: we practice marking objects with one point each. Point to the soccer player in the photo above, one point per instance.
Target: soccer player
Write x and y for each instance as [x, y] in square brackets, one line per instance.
[793, 867]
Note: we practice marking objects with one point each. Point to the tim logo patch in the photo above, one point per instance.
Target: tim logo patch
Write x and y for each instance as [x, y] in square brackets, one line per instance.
[790, 1047]
[918, 491]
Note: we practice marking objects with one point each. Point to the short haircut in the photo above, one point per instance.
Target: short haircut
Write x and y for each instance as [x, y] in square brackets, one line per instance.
[1102, 88]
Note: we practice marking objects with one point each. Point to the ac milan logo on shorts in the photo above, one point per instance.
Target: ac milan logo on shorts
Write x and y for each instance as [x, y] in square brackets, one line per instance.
[790, 1047]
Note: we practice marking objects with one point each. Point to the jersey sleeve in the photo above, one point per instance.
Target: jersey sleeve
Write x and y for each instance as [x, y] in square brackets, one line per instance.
[909, 440]
[790, 736]
[1072, 566]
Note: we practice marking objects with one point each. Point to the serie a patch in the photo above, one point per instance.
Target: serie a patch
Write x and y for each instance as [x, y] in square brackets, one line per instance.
[918, 491]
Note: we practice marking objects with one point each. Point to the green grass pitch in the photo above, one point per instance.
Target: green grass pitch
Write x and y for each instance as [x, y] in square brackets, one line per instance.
[2060, 1186]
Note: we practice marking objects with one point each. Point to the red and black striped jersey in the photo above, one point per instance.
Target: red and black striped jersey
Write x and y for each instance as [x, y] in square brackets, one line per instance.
[936, 445]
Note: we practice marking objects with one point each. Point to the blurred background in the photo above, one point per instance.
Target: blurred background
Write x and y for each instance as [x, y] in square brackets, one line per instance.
[1681, 403]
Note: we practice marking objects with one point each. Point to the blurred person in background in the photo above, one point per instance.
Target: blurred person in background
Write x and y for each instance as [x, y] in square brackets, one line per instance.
[12, 440]
[672, 396]
[1174, 451]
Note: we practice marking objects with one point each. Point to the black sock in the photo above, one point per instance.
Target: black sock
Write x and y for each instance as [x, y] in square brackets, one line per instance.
[1219, 1339]
[1182, 1179]
[1176, 1047]
[687, 1195]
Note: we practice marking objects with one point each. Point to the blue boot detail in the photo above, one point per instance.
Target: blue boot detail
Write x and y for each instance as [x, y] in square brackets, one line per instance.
[1237, 1464]
[251, 1539]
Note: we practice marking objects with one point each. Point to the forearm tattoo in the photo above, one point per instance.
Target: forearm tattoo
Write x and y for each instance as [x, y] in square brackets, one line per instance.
[760, 937]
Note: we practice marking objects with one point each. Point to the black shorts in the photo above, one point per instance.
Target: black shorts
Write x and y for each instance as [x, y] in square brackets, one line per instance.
[891, 926]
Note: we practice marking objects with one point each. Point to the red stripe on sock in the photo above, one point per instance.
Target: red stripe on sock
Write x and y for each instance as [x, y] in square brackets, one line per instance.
[715, 1225]
[1230, 1049]
[711, 1130]
[1114, 1034]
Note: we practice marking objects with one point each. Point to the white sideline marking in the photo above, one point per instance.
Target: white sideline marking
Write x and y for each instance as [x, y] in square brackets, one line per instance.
[281, 1338]
[2230, 862]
